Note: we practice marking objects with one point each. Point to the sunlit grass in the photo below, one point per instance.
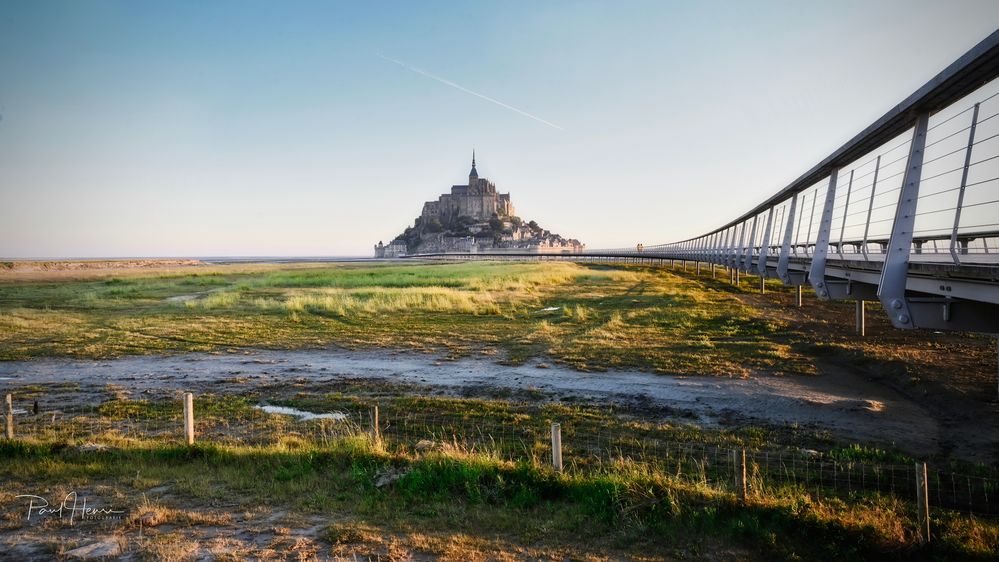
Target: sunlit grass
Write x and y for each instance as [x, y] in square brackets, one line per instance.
[479, 493]
[590, 317]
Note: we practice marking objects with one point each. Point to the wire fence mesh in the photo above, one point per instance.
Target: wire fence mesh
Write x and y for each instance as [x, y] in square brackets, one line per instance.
[586, 447]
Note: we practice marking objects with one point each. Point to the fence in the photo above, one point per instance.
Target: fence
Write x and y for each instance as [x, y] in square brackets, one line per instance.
[572, 447]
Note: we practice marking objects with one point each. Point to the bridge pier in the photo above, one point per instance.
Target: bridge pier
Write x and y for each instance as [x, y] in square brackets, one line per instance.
[736, 270]
[697, 266]
[712, 270]
[861, 320]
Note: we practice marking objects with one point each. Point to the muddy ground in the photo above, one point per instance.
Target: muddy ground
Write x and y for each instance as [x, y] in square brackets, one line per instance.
[850, 406]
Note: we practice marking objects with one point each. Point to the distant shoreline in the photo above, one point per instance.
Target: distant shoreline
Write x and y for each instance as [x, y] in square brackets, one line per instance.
[139, 261]
[25, 269]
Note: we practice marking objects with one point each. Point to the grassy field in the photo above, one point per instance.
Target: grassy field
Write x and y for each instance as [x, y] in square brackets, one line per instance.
[458, 505]
[309, 494]
[588, 317]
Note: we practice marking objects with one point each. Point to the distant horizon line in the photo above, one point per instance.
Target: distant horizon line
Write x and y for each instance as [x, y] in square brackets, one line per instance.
[181, 257]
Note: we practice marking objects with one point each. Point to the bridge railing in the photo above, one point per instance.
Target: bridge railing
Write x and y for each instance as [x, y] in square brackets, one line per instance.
[907, 212]
[957, 207]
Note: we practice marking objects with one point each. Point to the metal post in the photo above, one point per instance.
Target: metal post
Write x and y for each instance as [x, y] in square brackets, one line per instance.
[9, 415]
[761, 264]
[737, 251]
[557, 447]
[817, 271]
[189, 418]
[747, 256]
[722, 247]
[861, 324]
[895, 271]
[736, 272]
[763, 285]
[846, 211]
[798, 287]
[712, 270]
[922, 502]
[785, 250]
[964, 184]
[870, 207]
[811, 217]
[801, 219]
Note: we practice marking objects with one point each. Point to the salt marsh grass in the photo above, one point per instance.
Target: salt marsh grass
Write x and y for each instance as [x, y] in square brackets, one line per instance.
[561, 310]
[379, 300]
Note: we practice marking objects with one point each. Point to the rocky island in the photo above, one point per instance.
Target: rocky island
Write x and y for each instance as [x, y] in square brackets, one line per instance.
[474, 218]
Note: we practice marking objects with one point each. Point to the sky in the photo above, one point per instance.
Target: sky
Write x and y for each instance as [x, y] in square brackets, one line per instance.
[261, 128]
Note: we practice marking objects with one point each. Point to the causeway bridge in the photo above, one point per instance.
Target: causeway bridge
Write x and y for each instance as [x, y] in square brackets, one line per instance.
[905, 213]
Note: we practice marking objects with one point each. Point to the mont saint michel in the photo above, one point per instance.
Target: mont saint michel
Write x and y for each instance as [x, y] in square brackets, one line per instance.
[474, 218]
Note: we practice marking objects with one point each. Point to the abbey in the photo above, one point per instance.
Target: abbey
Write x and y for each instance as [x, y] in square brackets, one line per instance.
[474, 218]
[478, 200]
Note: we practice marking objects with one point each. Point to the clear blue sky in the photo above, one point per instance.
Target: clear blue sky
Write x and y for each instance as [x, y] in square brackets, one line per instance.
[148, 128]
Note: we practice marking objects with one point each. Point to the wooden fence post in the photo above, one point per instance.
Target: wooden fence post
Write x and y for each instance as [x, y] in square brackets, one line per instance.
[922, 502]
[557, 447]
[376, 435]
[742, 475]
[189, 418]
[9, 415]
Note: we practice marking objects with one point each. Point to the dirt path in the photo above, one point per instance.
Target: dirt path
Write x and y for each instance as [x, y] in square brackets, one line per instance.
[848, 405]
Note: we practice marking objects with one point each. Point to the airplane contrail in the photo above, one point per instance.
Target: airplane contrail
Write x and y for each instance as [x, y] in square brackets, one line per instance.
[467, 91]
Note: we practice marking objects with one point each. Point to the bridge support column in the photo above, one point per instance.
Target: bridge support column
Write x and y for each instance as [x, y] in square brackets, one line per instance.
[712, 270]
[895, 270]
[798, 289]
[861, 320]
[736, 270]
[763, 285]
[698, 268]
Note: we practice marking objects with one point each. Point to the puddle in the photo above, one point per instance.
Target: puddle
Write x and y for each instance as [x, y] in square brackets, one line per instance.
[301, 414]
[183, 298]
